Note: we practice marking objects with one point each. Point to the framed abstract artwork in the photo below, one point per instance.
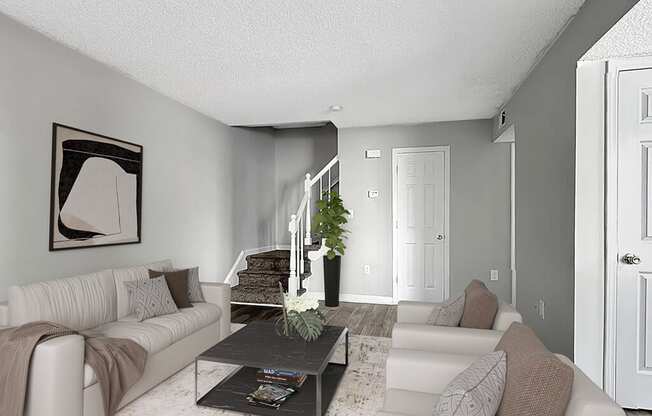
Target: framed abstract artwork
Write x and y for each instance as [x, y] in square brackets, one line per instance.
[96, 194]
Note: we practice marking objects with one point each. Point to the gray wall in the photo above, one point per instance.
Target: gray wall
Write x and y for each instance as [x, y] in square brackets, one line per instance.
[479, 210]
[543, 112]
[200, 176]
[298, 151]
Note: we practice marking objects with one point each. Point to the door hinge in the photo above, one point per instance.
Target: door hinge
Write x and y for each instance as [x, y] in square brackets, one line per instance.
[396, 224]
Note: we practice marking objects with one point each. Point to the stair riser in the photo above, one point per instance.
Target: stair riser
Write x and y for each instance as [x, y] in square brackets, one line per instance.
[278, 265]
[259, 280]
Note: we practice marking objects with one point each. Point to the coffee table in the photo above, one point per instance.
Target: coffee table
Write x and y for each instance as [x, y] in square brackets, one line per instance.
[257, 345]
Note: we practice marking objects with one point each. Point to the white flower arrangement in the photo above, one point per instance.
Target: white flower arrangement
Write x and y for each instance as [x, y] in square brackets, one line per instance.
[301, 315]
[300, 303]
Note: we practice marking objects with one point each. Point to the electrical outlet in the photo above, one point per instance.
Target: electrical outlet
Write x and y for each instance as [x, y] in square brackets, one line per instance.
[494, 275]
[367, 269]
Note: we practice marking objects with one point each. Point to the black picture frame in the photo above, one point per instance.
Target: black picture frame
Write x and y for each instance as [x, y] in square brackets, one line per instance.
[54, 210]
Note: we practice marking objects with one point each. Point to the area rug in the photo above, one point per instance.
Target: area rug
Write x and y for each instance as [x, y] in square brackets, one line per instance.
[360, 393]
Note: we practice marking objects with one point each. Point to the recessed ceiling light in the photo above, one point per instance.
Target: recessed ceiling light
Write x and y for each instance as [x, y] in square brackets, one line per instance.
[336, 108]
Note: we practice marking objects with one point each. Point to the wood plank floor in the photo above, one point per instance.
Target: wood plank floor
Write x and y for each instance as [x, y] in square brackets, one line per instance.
[360, 318]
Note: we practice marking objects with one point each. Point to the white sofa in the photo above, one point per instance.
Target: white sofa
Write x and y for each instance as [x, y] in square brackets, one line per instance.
[60, 384]
[412, 332]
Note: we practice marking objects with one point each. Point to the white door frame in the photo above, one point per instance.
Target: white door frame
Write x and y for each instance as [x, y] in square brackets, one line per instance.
[447, 180]
[614, 67]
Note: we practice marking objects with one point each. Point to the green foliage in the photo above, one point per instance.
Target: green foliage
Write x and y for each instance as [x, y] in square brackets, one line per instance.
[329, 223]
[309, 324]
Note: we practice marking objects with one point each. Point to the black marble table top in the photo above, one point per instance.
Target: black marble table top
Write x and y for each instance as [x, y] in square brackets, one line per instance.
[258, 345]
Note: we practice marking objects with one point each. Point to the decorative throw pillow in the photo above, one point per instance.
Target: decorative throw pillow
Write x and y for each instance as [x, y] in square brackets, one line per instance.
[178, 284]
[478, 390]
[538, 383]
[448, 313]
[480, 307]
[151, 298]
[195, 293]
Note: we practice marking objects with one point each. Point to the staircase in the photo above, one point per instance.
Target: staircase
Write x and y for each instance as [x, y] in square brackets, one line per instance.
[258, 283]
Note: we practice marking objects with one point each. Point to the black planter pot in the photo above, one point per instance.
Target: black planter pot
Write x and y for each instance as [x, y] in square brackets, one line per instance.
[332, 281]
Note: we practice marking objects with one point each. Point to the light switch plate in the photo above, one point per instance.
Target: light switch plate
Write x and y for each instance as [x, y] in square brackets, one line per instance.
[367, 269]
[494, 275]
[372, 154]
[372, 194]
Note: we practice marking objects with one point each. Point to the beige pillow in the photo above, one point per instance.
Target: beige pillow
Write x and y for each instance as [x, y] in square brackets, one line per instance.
[448, 313]
[151, 297]
[480, 307]
[538, 383]
[476, 391]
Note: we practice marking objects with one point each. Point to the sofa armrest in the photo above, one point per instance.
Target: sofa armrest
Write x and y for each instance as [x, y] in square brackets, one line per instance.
[587, 399]
[423, 371]
[505, 316]
[443, 339]
[56, 378]
[220, 294]
[4, 314]
[414, 312]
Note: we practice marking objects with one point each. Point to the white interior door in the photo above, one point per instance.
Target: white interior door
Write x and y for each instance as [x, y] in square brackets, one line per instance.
[634, 274]
[421, 201]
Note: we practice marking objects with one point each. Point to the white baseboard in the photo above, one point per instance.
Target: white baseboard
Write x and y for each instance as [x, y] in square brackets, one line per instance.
[378, 300]
[241, 263]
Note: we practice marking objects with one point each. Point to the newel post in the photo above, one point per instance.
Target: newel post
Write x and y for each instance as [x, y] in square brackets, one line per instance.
[293, 280]
[307, 186]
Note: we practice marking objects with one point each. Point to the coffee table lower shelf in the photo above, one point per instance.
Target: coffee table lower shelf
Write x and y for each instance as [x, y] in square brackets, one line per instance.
[231, 393]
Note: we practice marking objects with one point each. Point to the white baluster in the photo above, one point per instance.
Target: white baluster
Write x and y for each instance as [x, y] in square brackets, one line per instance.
[329, 184]
[292, 281]
[301, 243]
[307, 186]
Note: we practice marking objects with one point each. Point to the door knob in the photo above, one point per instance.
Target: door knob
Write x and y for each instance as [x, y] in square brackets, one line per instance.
[440, 237]
[630, 258]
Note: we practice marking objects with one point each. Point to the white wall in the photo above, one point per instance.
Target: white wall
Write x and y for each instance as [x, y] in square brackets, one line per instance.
[208, 189]
[543, 112]
[480, 203]
[297, 152]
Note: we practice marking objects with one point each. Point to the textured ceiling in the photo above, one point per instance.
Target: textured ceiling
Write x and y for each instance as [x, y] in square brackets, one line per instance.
[631, 36]
[286, 61]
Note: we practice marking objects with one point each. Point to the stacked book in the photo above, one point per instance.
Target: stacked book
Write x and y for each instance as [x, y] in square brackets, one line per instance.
[292, 379]
[276, 386]
[270, 395]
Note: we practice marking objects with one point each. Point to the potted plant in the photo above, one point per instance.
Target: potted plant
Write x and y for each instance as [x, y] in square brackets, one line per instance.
[329, 224]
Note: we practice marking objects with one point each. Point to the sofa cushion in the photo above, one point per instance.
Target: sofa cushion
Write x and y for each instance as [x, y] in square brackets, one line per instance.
[151, 297]
[409, 403]
[448, 313]
[480, 306]
[188, 320]
[477, 390]
[79, 302]
[538, 383]
[153, 338]
[125, 304]
[195, 293]
[178, 284]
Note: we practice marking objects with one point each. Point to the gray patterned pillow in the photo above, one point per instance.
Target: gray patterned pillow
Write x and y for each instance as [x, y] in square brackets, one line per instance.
[448, 313]
[194, 287]
[151, 297]
[478, 390]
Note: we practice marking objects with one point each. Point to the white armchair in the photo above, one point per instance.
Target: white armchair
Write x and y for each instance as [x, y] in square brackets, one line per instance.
[415, 379]
[412, 332]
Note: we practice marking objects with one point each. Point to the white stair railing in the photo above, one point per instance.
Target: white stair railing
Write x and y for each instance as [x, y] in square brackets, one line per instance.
[300, 223]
